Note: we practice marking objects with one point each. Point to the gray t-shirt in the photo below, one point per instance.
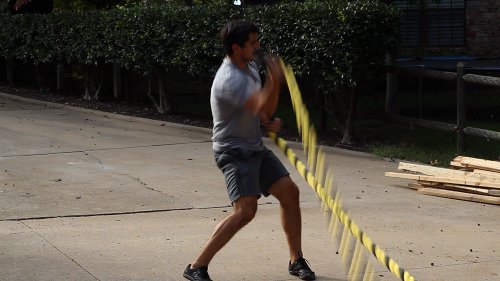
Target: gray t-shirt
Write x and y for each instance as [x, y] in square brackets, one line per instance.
[235, 127]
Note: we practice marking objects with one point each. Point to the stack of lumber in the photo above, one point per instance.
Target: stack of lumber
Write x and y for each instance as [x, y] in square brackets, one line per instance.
[468, 178]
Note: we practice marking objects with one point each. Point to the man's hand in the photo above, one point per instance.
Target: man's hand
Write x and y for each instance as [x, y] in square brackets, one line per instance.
[274, 69]
[273, 125]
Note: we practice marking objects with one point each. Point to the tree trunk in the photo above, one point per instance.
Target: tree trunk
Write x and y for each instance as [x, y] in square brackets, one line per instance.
[60, 77]
[39, 78]
[332, 111]
[322, 112]
[88, 84]
[162, 105]
[347, 138]
[42, 76]
[117, 81]
[162, 92]
[10, 72]
[126, 90]
[99, 81]
[94, 78]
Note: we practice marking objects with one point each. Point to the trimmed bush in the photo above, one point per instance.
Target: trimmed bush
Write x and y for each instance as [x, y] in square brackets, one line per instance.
[327, 39]
[333, 45]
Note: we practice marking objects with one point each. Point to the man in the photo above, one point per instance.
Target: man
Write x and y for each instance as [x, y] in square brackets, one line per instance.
[240, 105]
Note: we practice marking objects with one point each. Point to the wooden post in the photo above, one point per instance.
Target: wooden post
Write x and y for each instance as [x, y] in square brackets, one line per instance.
[117, 81]
[461, 107]
[391, 86]
[420, 93]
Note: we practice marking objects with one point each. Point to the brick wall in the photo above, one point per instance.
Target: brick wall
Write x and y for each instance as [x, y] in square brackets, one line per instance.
[483, 27]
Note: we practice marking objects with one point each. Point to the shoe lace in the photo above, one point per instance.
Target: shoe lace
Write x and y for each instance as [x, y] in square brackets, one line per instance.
[201, 272]
[302, 263]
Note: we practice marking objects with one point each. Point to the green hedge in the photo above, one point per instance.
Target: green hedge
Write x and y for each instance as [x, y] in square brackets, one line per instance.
[333, 43]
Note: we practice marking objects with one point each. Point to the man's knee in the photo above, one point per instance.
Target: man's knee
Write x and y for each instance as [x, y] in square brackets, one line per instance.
[293, 193]
[246, 215]
[245, 210]
[286, 191]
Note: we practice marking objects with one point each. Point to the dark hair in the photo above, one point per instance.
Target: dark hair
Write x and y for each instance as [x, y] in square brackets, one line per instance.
[236, 31]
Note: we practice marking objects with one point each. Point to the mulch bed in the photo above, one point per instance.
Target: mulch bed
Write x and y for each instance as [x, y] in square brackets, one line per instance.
[148, 111]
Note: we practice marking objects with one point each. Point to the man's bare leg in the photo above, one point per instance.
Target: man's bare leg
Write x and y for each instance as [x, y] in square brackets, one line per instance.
[287, 192]
[244, 211]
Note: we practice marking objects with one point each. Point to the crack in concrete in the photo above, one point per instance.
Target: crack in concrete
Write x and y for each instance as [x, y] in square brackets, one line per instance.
[129, 176]
[120, 213]
[145, 184]
[60, 251]
[97, 158]
[101, 149]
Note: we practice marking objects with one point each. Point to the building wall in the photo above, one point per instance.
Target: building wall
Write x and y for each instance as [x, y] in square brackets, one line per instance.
[483, 27]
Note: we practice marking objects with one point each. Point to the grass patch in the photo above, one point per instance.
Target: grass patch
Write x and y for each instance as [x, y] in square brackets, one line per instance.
[399, 141]
[423, 145]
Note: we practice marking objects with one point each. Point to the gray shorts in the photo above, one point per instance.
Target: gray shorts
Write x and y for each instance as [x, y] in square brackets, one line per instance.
[249, 172]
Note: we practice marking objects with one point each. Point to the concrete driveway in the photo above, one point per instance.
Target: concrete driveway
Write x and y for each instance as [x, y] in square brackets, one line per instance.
[87, 195]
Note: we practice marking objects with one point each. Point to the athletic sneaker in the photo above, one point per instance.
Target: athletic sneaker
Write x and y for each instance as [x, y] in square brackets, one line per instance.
[197, 274]
[301, 269]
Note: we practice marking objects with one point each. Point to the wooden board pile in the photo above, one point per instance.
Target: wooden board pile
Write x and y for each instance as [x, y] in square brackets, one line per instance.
[469, 179]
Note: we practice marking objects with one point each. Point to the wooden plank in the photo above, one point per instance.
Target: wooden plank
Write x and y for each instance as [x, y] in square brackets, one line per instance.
[494, 192]
[428, 170]
[449, 173]
[458, 165]
[478, 163]
[487, 173]
[460, 195]
[402, 176]
[462, 181]
[429, 183]
[415, 186]
[483, 168]
[464, 188]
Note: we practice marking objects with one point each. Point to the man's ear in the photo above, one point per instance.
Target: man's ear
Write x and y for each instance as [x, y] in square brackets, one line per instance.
[236, 48]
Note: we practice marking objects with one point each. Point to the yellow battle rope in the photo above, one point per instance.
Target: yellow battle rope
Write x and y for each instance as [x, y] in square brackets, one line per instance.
[314, 173]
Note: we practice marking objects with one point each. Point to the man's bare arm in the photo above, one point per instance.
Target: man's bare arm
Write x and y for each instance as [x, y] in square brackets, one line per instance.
[264, 102]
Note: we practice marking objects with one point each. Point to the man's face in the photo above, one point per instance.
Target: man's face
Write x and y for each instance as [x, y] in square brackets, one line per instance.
[249, 50]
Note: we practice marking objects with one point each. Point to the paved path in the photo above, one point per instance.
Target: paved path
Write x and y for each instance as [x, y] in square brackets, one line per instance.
[87, 195]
